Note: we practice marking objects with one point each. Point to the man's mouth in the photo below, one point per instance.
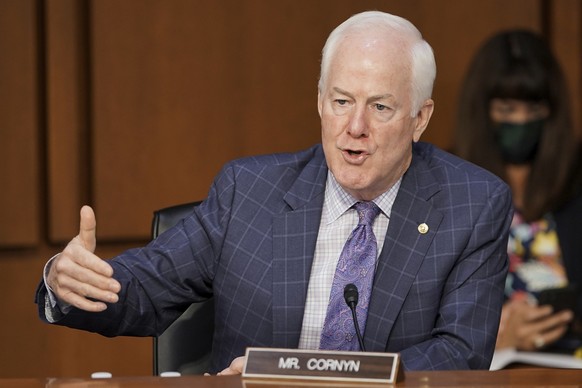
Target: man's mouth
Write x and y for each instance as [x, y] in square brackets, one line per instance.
[356, 157]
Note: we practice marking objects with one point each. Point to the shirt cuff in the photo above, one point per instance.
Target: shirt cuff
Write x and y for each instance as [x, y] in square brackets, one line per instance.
[54, 308]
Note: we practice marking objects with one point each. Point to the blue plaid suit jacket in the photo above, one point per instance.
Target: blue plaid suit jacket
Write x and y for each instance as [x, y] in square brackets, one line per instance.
[436, 297]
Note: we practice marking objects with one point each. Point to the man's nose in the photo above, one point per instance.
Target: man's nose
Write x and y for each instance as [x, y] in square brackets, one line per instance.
[358, 125]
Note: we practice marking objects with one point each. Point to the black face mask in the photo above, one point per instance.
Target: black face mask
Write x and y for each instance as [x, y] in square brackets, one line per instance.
[519, 142]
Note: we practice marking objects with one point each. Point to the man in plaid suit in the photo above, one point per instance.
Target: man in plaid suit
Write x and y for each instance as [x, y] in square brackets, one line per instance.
[264, 240]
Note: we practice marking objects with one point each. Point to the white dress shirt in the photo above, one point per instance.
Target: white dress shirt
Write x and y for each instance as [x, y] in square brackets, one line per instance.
[338, 220]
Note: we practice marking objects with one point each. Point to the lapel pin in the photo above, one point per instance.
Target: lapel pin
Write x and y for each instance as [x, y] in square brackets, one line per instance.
[423, 228]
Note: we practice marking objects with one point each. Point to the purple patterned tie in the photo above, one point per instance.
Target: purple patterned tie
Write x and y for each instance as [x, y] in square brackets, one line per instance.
[356, 265]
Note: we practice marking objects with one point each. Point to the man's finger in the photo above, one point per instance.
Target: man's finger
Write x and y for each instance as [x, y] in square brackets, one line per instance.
[91, 276]
[75, 255]
[69, 285]
[235, 368]
[87, 228]
[82, 303]
[82, 279]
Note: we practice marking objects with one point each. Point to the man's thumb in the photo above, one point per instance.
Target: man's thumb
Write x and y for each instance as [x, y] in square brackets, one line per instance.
[87, 228]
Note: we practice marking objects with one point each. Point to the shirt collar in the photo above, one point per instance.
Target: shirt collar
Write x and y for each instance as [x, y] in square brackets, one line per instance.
[338, 201]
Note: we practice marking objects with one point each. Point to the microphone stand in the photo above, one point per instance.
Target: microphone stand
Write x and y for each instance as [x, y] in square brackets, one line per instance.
[351, 297]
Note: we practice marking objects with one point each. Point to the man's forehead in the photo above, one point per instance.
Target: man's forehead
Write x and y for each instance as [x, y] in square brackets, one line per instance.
[378, 73]
[387, 39]
[371, 50]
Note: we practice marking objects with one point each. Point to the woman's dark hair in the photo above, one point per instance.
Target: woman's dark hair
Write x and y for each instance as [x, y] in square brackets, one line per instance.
[518, 64]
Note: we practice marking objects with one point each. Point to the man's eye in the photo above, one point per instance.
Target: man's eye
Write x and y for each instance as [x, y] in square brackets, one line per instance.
[380, 107]
[341, 102]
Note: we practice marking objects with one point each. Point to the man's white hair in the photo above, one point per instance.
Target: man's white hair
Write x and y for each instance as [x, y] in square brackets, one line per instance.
[388, 26]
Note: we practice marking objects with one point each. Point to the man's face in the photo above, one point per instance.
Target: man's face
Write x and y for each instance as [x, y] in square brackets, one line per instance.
[365, 106]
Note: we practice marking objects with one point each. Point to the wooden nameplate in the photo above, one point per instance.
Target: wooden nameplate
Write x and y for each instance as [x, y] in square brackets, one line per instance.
[323, 365]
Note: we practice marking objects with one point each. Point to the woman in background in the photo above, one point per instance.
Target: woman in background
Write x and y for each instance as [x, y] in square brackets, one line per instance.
[515, 120]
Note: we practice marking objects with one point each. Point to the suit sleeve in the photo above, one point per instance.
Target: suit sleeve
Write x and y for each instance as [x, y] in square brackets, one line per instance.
[160, 280]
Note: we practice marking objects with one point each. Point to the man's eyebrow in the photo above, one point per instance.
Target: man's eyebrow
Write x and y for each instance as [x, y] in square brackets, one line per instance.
[341, 91]
[372, 98]
[380, 97]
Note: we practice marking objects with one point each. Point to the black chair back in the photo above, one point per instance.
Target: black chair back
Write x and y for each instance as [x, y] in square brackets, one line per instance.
[186, 345]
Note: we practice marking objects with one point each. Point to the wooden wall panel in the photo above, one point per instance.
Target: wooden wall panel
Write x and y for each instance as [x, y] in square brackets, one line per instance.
[19, 125]
[565, 30]
[67, 99]
[166, 106]
[22, 335]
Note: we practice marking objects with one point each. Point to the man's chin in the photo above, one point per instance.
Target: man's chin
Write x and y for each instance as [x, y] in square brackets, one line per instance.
[355, 186]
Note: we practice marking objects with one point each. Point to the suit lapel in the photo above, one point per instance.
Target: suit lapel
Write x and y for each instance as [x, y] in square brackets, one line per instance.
[404, 250]
[294, 238]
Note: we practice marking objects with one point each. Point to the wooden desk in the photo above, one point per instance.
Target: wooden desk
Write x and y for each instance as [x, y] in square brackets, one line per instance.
[526, 377]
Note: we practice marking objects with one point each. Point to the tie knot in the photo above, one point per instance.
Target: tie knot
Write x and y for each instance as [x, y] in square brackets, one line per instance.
[367, 212]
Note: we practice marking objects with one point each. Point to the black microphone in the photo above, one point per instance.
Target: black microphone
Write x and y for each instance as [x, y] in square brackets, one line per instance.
[351, 298]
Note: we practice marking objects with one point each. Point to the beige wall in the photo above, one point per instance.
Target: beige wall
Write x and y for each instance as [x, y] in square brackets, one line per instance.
[134, 105]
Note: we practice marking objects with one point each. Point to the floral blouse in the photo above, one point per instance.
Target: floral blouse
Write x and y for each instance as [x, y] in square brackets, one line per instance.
[535, 259]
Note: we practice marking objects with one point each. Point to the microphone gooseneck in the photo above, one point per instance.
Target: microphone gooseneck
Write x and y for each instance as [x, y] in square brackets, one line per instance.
[351, 297]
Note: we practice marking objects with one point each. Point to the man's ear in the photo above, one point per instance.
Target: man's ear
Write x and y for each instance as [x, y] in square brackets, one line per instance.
[422, 118]
[319, 102]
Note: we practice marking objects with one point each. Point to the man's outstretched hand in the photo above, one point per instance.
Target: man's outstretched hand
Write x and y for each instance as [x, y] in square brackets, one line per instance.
[80, 278]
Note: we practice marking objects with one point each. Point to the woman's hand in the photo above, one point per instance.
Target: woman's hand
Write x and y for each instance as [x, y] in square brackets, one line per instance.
[527, 327]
